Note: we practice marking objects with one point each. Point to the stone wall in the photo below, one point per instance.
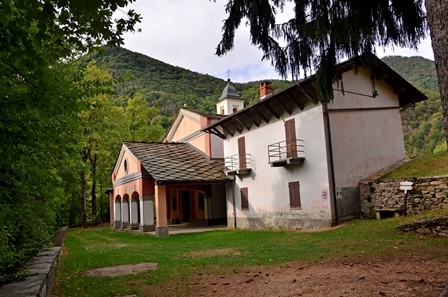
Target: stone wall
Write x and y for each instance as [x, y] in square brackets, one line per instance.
[41, 271]
[428, 193]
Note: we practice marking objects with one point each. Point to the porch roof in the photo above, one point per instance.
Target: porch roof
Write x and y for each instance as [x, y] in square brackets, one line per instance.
[171, 163]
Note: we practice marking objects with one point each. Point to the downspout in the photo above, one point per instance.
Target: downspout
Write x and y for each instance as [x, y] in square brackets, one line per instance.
[330, 164]
[233, 202]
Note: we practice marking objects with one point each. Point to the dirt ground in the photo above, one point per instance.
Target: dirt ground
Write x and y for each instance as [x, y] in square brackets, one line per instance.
[121, 269]
[374, 277]
[379, 276]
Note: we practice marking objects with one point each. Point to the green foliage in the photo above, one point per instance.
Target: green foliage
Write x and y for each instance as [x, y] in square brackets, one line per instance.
[39, 107]
[440, 148]
[35, 144]
[422, 123]
[140, 120]
[321, 32]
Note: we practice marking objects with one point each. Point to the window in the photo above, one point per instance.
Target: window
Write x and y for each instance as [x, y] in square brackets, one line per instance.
[290, 135]
[294, 195]
[221, 111]
[235, 108]
[201, 203]
[244, 199]
[125, 166]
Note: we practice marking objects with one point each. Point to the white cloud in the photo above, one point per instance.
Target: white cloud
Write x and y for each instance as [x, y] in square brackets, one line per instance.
[185, 33]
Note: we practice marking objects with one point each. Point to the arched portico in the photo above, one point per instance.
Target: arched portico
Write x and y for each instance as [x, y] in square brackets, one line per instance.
[144, 175]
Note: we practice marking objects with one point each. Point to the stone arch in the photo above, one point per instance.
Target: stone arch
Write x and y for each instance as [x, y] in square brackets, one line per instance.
[135, 210]
[117, 211]
[125, 211]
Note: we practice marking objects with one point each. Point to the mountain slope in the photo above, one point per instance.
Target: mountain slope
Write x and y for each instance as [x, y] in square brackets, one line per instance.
[165, 86]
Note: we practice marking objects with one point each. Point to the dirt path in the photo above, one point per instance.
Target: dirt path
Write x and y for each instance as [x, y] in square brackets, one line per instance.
[381, 276]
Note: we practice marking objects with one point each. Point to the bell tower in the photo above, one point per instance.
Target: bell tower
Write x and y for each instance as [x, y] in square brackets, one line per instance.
[229, 102]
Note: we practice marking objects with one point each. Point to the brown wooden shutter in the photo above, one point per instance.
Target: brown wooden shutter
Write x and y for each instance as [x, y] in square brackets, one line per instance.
[242, 152]
[244, 198]
[294, 195]
[290, 133]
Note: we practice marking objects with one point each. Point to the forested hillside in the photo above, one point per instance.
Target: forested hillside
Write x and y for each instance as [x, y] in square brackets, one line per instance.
[422, 123]
[168, 87]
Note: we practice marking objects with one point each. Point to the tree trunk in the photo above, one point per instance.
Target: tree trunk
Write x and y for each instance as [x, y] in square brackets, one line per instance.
[83, 199]
[437, 17]
[93, 162]
[94, 222]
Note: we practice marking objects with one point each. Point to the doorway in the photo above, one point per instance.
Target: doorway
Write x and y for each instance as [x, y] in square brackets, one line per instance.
[186, 206]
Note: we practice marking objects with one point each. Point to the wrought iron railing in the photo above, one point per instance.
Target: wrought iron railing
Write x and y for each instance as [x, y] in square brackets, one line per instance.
[236, 162]
[286, 149]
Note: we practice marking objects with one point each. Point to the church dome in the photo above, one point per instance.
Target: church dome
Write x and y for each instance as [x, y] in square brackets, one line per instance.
[229, 92]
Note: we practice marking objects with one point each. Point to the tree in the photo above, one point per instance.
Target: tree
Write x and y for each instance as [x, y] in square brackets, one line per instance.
[100, 136]
[39, 105]
[438, 24]
[138, 120]
[322, 32]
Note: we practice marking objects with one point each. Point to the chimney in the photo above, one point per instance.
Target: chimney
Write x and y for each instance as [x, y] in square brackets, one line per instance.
[265, 89]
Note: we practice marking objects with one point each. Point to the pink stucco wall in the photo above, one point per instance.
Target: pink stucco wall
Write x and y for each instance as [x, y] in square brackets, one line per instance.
[187, 126]
[140, 187]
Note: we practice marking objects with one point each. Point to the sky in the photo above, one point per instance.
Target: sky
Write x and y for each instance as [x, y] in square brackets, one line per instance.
[185, 33]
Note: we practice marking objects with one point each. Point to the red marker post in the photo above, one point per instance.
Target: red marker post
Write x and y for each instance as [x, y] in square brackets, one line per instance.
[406, 186]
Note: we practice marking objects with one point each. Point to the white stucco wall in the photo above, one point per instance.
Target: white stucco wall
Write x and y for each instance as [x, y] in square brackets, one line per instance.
[228, 105]
[366, 132]
[268, 186]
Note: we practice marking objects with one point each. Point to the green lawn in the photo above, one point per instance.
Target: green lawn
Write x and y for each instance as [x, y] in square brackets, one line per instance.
[100, 247]
[427, 165]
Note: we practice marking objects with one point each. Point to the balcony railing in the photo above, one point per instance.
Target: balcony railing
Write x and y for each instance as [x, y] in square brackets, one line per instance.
[238, 165]
[290, 151]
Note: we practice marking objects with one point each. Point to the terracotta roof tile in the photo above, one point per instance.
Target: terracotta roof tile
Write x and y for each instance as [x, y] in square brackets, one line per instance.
[176, 162]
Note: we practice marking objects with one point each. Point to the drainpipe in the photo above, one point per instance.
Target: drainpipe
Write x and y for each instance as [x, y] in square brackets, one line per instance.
[333, 203]
[233, 202]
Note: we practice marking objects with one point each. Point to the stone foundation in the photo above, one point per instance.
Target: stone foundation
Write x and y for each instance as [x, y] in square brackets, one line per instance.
[280, 222]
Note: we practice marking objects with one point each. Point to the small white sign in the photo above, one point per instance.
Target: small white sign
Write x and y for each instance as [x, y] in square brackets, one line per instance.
[406, 185]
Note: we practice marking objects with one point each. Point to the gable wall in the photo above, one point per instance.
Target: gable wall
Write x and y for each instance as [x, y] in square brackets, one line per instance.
[133, 164]
[364, 141]
[187, 126]
[268, 186]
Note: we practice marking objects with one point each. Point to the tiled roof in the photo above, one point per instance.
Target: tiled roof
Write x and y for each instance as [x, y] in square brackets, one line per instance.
[207, 115]
[177, 163]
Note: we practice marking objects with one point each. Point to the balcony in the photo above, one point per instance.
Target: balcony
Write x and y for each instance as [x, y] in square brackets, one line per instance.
[290, 151]
[238, 165]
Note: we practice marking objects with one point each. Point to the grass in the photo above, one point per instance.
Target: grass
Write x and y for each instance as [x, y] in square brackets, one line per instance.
[427, 165]
[100, 247]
